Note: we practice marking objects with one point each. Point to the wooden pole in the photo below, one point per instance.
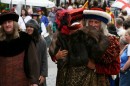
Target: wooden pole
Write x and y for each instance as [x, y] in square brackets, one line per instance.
[70, 2]
[25, 4]
[11, 5]
[57, 3]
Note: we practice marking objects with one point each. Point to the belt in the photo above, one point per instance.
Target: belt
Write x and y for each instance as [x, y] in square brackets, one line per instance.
[126, 71]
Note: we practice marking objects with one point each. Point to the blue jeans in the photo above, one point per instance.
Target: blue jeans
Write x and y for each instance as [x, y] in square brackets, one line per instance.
[125, 78]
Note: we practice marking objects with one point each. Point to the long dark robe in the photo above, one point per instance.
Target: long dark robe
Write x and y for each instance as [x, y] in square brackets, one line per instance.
[19, 63]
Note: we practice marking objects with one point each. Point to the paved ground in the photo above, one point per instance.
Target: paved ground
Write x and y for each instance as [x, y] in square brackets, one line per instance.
[52, 71]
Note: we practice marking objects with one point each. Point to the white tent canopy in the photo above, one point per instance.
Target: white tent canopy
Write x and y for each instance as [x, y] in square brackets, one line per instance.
[41, 3]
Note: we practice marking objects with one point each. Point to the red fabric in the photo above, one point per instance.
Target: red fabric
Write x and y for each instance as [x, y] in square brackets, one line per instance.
[68, 17]
[12, 71]
[76, 26]
[74, 15]
[65, 30]
[59, 16]
[125, 4]
[110, 59]
[53, 59]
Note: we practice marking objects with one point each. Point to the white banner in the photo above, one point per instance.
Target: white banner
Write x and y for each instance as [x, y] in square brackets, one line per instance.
[123, 4]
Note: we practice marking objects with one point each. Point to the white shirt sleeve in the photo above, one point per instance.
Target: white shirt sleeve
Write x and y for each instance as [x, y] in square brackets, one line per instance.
[44, 30]
[27, 18]
[21, 24]
[128, 50]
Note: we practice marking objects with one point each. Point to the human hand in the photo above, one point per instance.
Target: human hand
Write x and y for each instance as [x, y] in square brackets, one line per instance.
[122, 70]
[61, 54]
[41, 79]
[91, 64]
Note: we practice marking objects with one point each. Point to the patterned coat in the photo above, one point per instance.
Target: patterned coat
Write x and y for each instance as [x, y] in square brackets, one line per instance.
[19, 63]
[107, 62]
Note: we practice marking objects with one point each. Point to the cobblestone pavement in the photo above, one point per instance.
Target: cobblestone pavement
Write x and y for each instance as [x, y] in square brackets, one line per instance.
[52, 71]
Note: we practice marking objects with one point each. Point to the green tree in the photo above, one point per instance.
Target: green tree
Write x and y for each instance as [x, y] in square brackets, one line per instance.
[3, 6]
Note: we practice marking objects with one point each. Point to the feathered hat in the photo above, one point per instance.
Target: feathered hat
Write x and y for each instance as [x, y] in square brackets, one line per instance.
[97, 13]
[66, 18]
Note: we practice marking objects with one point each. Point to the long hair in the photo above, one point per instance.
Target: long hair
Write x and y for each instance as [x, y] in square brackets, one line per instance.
[15, 34]
[26, 12]
[34, 24]
[103, 27]
[35, 35]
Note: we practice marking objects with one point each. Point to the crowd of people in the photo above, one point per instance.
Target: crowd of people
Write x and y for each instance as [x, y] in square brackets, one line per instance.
[90, 46]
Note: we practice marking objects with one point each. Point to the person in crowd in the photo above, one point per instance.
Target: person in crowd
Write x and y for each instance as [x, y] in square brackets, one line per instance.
[21, 24]
[32, 29]
[42, 29]
[126, 24]
[14, 8]
[99, 19]
[23, 18]
[116, 12]
[19, 62]
[43, 18]
[125, 62]
[35, 16]
[121, 18]
[24, 14]
[124, 14]
[29, 9]
[112, 29]
[52, 15]
[94, 4]
[77, 51]
[108, 10]
[119, 27]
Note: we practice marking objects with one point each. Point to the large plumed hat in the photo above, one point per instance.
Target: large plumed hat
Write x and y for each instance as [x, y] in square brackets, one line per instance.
[97, 13]
[67, 17]
[8, 16]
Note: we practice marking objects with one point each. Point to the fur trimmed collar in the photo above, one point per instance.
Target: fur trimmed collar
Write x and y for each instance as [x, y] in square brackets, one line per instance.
[15, 46]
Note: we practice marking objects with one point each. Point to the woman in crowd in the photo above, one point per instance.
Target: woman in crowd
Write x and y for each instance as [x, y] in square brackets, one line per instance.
[42, 29]
[24, 14]
[125, 62]
[32, 29]
[23, 18]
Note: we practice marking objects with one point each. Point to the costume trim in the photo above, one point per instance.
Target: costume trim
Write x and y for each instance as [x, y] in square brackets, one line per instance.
[15, 46]
[89, 14]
